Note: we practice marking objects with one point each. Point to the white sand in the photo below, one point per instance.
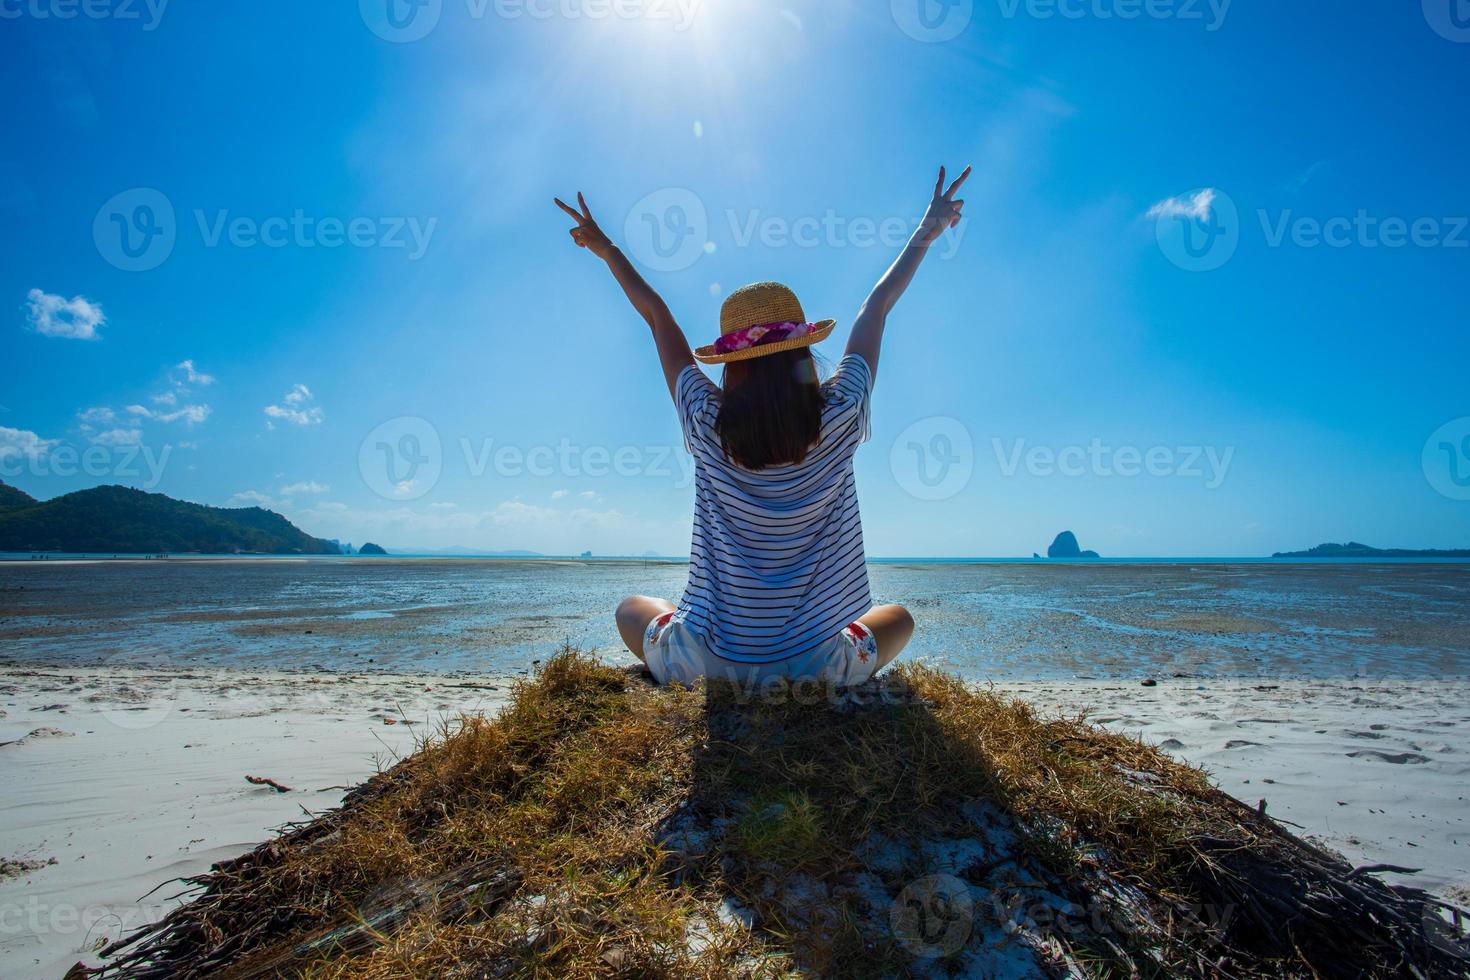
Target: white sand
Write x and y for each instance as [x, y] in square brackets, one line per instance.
[149, 783]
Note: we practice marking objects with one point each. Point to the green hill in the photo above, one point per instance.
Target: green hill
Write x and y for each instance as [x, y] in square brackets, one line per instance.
[1354, 549]
[13, 497]
[123, 520]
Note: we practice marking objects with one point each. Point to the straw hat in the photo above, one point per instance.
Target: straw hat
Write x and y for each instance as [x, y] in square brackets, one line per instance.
[762, 304]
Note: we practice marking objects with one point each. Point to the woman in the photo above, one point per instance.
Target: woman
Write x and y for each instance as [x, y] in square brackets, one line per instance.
[778, 584]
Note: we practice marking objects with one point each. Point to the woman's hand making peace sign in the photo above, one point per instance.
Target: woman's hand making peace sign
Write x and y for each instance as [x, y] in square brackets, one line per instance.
[943, 212]
[586, 234]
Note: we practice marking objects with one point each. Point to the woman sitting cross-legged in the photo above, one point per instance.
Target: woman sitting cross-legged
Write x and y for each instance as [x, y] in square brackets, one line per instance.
[778, 584]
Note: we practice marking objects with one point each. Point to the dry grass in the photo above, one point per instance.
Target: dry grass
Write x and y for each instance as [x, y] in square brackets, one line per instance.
[597, 826]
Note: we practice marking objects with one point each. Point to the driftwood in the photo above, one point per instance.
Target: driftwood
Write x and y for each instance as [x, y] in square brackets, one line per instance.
[1291, 899]
[185, 943]
[267, 781]
[474, 889]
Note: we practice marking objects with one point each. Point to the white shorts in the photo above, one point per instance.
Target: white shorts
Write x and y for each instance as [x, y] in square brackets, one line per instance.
[675, 653]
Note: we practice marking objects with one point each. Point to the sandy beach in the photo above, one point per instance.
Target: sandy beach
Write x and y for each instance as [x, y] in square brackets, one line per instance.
[119, 781]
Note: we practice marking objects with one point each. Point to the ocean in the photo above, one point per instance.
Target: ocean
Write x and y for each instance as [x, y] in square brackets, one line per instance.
[984, 620]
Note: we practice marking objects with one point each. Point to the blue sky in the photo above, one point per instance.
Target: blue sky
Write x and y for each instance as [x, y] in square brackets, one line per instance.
[341, 251]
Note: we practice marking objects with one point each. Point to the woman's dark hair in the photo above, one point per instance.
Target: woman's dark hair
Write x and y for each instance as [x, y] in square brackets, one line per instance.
[771, 413]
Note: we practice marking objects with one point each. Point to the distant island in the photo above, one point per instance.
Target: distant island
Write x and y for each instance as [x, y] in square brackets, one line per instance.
[122, 520]
[369, 548]
[1354, 549]
[1065, 546]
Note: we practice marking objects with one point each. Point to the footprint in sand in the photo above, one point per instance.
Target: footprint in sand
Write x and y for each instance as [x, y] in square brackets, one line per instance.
[1236, 743]
[1397, 758]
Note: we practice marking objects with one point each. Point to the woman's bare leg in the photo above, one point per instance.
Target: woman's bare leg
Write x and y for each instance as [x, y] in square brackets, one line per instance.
[891, 626]
[635, 613]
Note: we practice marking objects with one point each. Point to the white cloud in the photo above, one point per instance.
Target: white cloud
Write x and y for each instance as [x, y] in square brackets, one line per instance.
[23, 444]
[191, 375]
[559, 494]
[589, 495]
[250, 498]
[96, 415]
[190, 414]
[306, 486]
[296, 408]
[443, 505]
[1198, 206]
[118, 437]
[52, 316]
[165, 398]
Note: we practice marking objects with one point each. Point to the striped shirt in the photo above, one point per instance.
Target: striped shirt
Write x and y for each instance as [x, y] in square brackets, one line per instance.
[776, 565]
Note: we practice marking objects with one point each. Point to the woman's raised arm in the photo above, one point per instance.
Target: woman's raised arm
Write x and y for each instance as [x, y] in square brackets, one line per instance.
[867, 330]
[673, 348]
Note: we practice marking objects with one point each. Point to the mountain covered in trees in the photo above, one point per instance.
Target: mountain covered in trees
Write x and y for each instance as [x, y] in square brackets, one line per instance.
[122, 520]
[14, 497]
[1353, 549]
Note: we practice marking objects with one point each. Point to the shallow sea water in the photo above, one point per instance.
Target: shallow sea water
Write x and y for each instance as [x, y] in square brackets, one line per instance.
[1003, 621]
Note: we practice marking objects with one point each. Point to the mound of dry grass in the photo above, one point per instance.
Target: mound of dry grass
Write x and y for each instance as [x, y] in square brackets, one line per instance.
[916, 826]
